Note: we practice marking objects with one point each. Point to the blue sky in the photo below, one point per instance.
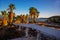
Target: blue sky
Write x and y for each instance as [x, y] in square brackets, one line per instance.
[46, 8]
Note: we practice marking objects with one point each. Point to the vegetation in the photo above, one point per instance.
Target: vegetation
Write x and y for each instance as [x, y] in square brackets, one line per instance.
[22, 18]
[11, 14]
[10, 31]
[4, 12]
[54, 19]
[11, 7]
[34, 13]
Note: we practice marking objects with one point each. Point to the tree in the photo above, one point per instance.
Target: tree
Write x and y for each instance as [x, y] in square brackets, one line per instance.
[34, 13]
[26, 18]
[4, 21]
[11, 7]
[3, 12]
[11, 14]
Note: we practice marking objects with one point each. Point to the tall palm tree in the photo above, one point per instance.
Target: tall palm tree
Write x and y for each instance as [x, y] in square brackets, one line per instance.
[11, 7]
[11, 14]
[34, 13]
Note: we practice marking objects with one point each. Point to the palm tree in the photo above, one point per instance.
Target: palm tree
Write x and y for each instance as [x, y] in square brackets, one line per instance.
[3, 12]
[11, 7]
[23, 19]
[34, 13]
[38, 14]
[26, 18]
[4, 21]
[11, 14]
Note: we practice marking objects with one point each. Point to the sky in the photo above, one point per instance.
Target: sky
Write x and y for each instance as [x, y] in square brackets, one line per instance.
[47, 8]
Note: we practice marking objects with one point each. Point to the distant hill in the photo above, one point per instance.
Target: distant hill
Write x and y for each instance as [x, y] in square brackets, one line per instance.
[54, 19]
